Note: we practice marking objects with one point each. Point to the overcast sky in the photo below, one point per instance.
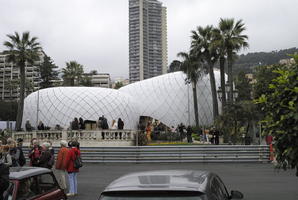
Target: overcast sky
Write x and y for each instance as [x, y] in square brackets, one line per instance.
[95, 32]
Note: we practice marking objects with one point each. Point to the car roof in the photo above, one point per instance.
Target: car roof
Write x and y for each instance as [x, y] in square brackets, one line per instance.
[162, 180]
[19, 173]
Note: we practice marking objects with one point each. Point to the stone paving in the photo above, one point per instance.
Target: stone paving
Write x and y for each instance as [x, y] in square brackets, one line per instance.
[255, 181]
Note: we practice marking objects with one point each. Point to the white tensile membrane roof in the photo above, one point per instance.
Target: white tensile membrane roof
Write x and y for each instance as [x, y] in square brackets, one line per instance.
[166, 98]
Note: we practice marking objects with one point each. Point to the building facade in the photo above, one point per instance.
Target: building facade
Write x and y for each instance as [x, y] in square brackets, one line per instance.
[101, 80]
[147, 39]
[10, 77]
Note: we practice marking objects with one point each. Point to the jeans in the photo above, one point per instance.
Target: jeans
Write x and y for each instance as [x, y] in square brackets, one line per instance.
[73, 184]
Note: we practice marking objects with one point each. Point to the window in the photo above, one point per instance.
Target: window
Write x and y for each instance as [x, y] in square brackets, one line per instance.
[27, 189]
[218, 189]
[47, 183]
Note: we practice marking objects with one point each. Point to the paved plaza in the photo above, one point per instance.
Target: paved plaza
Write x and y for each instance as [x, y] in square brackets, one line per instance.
[255, 181]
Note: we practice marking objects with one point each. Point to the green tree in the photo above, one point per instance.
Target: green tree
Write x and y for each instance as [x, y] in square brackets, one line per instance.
[233, 41]
[48, 73]
[193, 70]
[93, 72]
[22, 50]
[280, 108]
[72, 74]
[86, 80]
[118, 85]
[243, 87]
[201, 47]
[175, 66]
[264, 76]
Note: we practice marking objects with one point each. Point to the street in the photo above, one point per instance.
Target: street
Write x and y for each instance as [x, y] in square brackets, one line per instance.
[255, 181]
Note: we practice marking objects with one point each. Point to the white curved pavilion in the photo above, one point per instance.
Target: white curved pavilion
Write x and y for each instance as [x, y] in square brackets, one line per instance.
[166, 98]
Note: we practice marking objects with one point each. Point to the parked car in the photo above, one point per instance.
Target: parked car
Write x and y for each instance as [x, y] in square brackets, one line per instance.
[169, 184]
[33, 183]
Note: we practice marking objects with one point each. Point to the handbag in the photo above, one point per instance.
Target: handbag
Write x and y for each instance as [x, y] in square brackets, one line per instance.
[78, 163]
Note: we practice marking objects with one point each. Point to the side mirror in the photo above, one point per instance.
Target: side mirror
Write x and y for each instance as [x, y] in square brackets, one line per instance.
[236, 195]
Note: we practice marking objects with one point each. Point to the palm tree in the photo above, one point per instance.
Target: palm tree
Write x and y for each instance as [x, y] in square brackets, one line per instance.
[201, 47]
[22, 50]
[174, 66]
[73, 72]
[233, 41]
[192, 68]
[219, 44]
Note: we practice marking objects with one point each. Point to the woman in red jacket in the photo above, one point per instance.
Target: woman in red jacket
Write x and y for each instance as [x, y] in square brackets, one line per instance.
[73, 152]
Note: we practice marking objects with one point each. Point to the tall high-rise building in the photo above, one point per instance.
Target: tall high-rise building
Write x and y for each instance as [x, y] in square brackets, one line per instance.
[10, 77]
[147, 39]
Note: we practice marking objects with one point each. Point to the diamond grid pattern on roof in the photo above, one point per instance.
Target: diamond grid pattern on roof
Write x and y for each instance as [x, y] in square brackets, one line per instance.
[164, 98]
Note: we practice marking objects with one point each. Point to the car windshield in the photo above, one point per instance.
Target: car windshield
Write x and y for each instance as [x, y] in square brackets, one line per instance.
[153, 196]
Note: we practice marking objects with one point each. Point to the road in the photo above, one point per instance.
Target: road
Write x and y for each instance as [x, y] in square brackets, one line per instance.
[255, 181]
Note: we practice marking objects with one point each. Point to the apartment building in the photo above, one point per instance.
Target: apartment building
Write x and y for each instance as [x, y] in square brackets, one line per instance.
[147, 39]
[10, 77]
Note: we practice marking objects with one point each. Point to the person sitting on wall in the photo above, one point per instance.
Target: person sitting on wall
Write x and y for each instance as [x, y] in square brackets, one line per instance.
[81, 124]
[75, 124]
[40, 126]
[28, 125]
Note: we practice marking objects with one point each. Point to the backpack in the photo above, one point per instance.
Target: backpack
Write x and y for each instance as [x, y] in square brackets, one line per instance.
[78, 163]
[22, 159]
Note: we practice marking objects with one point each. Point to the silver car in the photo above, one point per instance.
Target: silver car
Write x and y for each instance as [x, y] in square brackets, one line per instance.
[169, 184]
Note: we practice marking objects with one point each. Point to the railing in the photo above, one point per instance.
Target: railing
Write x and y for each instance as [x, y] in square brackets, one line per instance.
[96, 136]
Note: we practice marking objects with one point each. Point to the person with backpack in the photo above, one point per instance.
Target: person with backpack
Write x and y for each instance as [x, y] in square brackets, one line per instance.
[46, 159]
[5, 163]
[20, 154]
[72, 167]
[35, 154]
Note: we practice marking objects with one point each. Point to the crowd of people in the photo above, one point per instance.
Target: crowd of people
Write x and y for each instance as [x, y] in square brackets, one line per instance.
[42, 155]
[101, 123]
[79, 124]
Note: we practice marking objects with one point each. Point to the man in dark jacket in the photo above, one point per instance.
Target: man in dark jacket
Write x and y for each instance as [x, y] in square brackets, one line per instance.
[46, 159]
[19, 153]
[4, 178]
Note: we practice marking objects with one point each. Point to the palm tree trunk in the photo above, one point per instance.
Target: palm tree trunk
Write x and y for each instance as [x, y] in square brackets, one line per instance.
[213, 92]
[222, 83]
[72, 82]
[195, 102]
[21, 99]
[230, 76]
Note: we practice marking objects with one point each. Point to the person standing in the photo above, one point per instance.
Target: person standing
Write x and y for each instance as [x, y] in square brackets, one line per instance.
[4, 174]
[188, 134]
[5, 157]
[46, 159]
[120, 127]
[72, 154]
[60, 164]
[20, 154]
[148, 131]
[35, 153]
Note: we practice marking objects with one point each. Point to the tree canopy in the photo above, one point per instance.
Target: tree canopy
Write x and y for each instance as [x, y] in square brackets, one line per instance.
[280, 107]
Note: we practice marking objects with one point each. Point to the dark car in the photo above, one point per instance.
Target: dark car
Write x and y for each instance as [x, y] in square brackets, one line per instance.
[169, 184]
[33, 183]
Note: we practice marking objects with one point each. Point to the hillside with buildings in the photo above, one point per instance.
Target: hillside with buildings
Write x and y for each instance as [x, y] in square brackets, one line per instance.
[248, 62]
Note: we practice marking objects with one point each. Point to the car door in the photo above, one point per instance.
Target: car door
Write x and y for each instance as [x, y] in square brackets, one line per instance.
[48, 187]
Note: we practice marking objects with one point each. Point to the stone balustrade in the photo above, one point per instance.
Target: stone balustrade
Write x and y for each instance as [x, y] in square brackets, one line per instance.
[91, 138]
